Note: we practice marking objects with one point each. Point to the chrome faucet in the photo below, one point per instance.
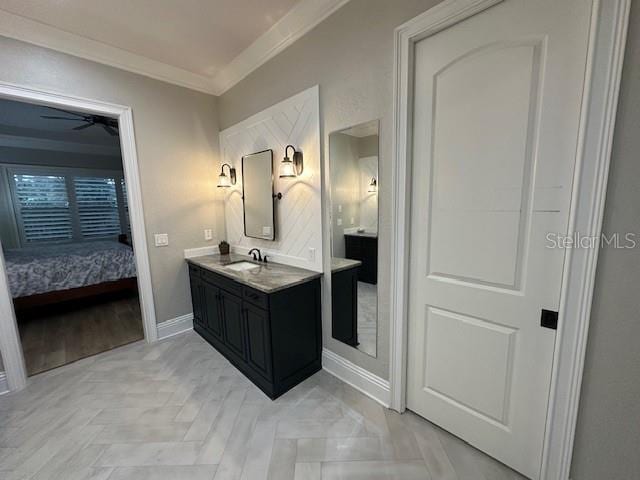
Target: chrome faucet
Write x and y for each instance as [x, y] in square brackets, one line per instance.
[257, 257]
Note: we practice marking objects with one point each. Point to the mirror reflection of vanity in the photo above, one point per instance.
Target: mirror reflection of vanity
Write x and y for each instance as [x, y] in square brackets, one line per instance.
[353, 164]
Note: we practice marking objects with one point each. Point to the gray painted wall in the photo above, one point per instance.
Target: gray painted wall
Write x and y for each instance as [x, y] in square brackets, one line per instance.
[608, 436]
[350, 55]
[177, 142]
[345, 175]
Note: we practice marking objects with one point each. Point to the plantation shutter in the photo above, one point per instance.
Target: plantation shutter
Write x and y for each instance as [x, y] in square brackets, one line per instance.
[126, 207]
[44, 207]
[97, 206]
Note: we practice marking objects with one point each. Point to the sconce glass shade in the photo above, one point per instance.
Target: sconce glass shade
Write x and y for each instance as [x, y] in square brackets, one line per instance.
[291, 168]
[373, 186]
[223, 180]
[286, 168]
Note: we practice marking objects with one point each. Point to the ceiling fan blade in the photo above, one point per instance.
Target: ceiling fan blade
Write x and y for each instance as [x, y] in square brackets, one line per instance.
[111, 131]
[82, 127]
[62, 118]
[68, 112]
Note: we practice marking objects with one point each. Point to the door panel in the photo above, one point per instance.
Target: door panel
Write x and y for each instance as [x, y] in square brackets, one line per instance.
[497, 102]
[212, 310]
[233, 324]
[197, 299]
[483, 386]
[473, 189]
[258, 340]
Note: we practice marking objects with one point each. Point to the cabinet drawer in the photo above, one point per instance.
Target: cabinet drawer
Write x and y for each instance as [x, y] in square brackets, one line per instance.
[256, 297]
[222, 282]
[194, 271]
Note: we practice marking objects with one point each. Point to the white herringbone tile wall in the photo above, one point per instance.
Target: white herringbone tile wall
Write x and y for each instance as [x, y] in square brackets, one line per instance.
[298, 223]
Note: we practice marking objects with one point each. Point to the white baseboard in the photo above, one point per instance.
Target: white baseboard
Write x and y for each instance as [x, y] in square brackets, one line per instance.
[175, 326]
[371, 385]
[4, 385]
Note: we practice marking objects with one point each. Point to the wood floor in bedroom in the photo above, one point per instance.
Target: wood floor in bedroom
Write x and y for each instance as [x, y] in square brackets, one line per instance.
[61, 335]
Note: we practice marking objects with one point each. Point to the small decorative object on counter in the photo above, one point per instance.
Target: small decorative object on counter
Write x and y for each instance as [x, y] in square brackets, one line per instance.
[224, 248]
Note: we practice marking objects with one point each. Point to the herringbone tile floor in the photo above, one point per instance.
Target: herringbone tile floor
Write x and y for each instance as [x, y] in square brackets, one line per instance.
[178, 410]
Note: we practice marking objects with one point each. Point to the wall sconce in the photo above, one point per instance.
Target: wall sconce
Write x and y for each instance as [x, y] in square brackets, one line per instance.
[373, 185]
[291, 168]
[223, 180]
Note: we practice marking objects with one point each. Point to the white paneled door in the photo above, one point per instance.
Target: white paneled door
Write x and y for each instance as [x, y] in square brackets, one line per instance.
[497, 104]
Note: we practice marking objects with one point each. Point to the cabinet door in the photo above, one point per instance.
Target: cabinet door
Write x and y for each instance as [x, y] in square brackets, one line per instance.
[212, 312]
[344, 306]
[353, 247]
[369, 270]
[233, 324]
[197, 300]
[258, 340]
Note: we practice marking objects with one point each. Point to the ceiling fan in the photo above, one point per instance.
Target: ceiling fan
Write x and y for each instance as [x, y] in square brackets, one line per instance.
[110, 125]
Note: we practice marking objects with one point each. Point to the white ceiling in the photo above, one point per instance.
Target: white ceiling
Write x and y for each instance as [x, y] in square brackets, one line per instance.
[205, 45]
[200, 36]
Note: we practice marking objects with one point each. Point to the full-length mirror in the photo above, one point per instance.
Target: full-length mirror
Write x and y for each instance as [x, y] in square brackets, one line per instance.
[257, 195]
[353, 166]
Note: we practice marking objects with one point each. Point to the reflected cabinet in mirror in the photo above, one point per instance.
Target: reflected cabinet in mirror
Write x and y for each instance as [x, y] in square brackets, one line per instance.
[353, 163]
[257, 195]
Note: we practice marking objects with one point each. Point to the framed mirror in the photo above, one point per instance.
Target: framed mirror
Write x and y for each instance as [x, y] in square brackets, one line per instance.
[353, 164]
[257, 195]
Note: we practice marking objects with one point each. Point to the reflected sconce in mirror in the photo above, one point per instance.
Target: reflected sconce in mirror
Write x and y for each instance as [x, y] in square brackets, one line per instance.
[373, 185]
[291, 167]
[223, 179]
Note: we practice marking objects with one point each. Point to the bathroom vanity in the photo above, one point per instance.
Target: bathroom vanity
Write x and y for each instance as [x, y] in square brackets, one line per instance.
[265, 318]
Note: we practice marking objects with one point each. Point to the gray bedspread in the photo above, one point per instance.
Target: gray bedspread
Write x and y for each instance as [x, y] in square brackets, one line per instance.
[52, 268]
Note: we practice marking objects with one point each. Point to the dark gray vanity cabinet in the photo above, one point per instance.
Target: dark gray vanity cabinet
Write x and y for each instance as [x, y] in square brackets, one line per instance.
[344, 305]
[275, 339]
[364, 248]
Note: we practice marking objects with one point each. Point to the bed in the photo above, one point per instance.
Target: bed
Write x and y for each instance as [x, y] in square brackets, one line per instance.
[44, 275]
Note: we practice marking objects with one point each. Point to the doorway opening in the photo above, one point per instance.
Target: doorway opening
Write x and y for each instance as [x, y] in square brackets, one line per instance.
[65, 233]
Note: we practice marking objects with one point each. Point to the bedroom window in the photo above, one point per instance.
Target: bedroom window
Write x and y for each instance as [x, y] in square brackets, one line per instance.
[97, 206]
[44, 208]
[58, 204]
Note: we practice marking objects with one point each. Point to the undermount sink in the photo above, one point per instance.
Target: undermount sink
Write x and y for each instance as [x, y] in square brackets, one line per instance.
[241, 266]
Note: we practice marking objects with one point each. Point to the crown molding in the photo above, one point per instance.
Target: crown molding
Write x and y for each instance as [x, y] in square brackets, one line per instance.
[36, 33]
[303, 17]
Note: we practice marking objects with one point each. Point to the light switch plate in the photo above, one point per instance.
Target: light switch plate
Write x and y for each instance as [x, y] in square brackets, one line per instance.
[312, 254]
[339, 222]
[161, 239]
[208, 234]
